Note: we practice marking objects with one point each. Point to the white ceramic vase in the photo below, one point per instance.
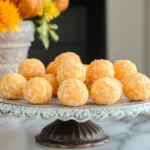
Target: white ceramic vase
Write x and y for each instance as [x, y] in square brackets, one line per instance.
[14, 47]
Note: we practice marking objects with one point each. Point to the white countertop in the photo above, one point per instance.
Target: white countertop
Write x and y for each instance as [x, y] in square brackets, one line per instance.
[125, 134]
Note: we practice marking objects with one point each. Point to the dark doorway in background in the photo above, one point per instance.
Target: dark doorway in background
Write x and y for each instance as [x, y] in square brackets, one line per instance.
[82, 29]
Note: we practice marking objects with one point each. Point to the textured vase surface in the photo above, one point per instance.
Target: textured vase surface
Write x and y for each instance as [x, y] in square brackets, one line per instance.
[14, 47]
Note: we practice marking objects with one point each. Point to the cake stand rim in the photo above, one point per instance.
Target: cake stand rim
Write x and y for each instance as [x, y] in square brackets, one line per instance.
[79, 114]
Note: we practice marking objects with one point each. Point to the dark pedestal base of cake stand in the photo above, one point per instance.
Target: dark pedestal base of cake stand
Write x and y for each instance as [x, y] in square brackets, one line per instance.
[72, 134]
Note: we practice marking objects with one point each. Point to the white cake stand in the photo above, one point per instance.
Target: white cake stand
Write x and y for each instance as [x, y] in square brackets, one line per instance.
[73, 127]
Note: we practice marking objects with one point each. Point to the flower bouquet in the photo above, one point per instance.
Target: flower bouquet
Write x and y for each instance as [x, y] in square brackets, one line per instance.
[18, 21]
[40, 12]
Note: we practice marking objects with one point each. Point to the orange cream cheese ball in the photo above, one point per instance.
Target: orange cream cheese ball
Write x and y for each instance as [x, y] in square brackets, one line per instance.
[38, 91]
[88, 83]
[31, 68]
[87, 66]
[51, 68]
[99, 69]
[65, 56]
[12, 86]
[73, 92]
[106, 91]
[119, 84]
[124, 68]
[71, 69]
[51, 78]
[136, 87]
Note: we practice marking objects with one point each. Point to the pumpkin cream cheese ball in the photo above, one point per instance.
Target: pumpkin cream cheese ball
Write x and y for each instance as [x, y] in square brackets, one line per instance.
[71, 69]
[99, 69]
[12, 86]
[51, 68]
[86, 66]
[124, 68]
[38, 91]
[51, 78]
[88, 82]
[106, 91]
[31, 68]
[65, 56]
[120, 84]
[73, 92]
[136, 87]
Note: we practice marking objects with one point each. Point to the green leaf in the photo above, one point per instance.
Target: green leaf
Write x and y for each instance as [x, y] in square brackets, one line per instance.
[54, 36]
[54, 26]
[45, 30]
[45, 41]
[43, 33]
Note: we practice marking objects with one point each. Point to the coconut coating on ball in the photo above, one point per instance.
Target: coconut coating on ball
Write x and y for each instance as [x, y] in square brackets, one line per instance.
[99, 69]
[124, 68]
[71, 69]
[136, 87]
[51, 68]
[106, 91]
[38, 91]
[73, 92]
[51, 78]
[12, 86]
[65, 56]
[31, 68]
[88, 83]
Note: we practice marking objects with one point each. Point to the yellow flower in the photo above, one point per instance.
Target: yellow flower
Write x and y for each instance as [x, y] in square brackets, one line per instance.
[9, 16]
[49, 10]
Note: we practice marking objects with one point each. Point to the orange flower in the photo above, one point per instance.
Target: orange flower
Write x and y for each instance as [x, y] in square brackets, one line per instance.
[9, 16]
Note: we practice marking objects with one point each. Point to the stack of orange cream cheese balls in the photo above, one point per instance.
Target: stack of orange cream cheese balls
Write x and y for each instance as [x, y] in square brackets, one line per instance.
[72, 81]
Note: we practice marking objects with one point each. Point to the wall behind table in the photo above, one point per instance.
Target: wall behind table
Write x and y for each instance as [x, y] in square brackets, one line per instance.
[126, 31]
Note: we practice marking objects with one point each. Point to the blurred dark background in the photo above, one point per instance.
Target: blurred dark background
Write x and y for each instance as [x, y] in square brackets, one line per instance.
[81, 30]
